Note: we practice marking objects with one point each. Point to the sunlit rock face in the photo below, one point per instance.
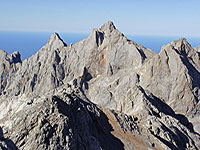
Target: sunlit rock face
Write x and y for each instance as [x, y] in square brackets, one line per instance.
[104, 92]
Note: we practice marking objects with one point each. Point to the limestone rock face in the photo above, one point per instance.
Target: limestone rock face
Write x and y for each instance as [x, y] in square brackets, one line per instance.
[104, 92]
[8, 67]
[173, 76]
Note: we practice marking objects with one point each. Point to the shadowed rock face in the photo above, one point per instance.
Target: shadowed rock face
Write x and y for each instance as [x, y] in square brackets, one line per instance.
[6, 143]
[104, 92]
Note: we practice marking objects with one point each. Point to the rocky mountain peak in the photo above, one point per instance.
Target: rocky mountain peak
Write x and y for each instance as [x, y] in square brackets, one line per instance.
[180, 42]
[2, 55]
[2, 52]
[55, 36]
[15, 57]
[182, 45]
[108, 27]
[107, 34]
[104, 92]
[55, 42]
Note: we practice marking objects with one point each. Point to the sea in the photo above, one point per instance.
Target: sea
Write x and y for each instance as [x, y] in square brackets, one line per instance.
[28, 43]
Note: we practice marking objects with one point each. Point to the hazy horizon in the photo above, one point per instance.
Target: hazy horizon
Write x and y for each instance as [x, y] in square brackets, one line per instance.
[144, 17]
[27, 25]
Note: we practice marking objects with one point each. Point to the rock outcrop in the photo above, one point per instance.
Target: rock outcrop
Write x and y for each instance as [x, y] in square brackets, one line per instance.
[104, 92]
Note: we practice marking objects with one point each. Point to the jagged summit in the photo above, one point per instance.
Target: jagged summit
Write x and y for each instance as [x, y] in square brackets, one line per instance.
[2, 55]
[15, 57]
[2, 51]
[181, 46]
[107, 34]
[104, 92]
[55, 42]
[180, 43]
[108, 26]
[54, 36]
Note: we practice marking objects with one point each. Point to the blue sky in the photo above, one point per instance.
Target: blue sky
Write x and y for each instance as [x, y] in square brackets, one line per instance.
[135, 17]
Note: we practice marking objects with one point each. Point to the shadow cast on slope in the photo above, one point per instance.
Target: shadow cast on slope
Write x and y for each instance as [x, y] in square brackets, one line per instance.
[84, 79]
[192, 71]
[89, 124]
[167, 110]
[180, 138]
[6, 143]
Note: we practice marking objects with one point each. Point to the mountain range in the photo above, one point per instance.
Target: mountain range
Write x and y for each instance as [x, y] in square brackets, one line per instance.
[103, 92]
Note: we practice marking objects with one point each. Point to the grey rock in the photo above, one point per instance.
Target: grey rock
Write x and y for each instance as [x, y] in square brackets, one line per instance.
[173, 75]
[104, 92]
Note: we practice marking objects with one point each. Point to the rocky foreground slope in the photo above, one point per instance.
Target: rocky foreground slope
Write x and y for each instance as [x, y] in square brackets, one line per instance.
[104, 92]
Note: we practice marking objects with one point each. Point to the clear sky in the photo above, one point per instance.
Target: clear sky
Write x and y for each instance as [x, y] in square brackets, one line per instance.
[135, 17]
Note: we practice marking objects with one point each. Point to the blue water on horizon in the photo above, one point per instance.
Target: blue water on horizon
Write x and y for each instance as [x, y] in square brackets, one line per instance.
[28, 43]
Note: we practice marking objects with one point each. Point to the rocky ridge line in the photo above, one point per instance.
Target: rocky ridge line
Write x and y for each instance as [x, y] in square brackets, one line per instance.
[101, 92]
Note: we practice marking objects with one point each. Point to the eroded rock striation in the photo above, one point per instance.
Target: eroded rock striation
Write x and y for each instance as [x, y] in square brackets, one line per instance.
[104, 92]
